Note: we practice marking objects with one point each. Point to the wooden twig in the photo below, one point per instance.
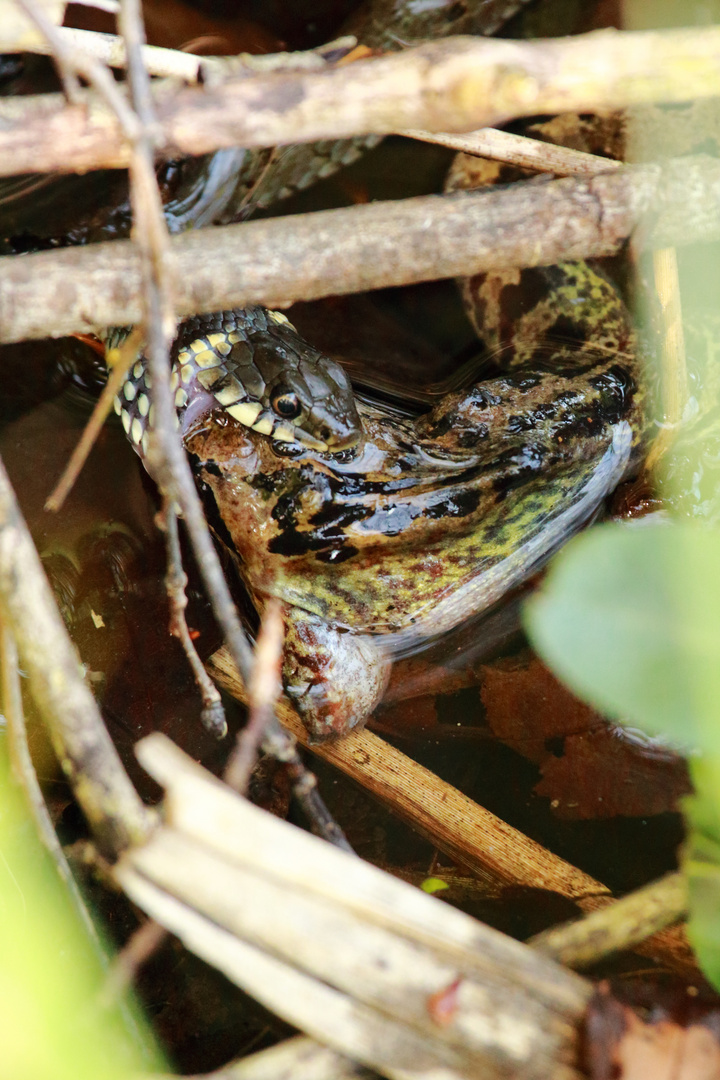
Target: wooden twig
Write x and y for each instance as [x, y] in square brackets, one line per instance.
[212, 714]
[166, 457]
[519, 150]
[72, 63]
[458, 84]
[126, 964]
[621, 925]
[110, 50]
[263, 691]
[57, 48]
[172, 63]
[119, 361]
[79, 736]
[365, 247]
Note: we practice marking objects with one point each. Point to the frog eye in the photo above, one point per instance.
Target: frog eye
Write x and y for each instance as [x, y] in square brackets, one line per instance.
[286, 403]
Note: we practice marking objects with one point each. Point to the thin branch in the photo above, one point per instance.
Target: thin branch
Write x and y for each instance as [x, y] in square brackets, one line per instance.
[172, 63]
[110, 50]
[72, 63]
[119, 361]
[57, 48]
[519, 150]
[621, 925]
[332, 252]
[80, 738]
[126, 964]
[263, 692]
[458, 84]
[166, 457]
[160, 62]
[213, 714]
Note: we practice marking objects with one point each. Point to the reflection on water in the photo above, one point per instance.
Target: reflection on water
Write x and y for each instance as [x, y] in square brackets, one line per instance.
[106, 561]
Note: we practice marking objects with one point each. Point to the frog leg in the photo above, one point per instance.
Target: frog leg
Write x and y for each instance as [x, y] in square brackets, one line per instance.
[335, 679]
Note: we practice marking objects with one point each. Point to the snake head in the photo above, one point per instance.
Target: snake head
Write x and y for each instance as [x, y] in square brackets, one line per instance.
[315, 406]
[254, 364]
[307, 397]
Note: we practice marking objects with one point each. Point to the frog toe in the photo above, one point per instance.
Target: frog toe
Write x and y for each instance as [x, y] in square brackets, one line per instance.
[334, 679]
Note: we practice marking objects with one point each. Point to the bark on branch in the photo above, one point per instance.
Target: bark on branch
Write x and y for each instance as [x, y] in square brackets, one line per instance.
[365, 247]
[453, 85]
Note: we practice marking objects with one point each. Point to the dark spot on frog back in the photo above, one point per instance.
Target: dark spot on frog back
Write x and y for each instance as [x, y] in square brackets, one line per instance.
[616, 388]
[516, 469]
[325, 532]
[517, 300]
[457, 505]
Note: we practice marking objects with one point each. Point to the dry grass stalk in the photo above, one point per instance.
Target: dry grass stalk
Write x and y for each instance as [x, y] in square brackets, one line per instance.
[341, 949]
[625, 923]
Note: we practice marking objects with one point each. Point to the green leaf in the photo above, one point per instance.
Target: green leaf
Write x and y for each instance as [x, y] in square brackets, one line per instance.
[701, 866]
[51, 1024]
[629, 617]
[434, 885]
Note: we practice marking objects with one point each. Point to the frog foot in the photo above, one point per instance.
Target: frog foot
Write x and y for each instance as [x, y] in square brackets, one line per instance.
[335, 679]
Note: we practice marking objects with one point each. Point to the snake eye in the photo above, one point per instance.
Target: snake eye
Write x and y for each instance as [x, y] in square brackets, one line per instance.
[286, 404]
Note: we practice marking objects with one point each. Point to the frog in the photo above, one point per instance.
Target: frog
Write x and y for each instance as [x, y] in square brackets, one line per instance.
[379, 533]
[381, 546]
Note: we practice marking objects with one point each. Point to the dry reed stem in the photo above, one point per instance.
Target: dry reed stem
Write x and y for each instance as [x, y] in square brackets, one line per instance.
[355, 956]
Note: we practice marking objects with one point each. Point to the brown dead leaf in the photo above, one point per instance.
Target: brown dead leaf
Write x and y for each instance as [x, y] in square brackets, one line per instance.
[526, 706]
[601, 774]
[590, 769]
[621, 1046]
